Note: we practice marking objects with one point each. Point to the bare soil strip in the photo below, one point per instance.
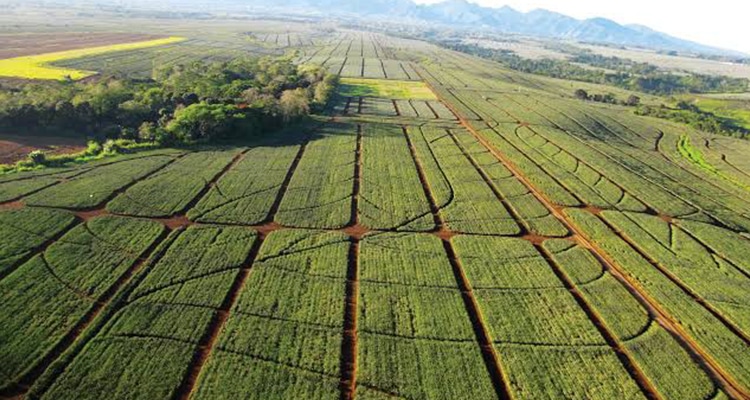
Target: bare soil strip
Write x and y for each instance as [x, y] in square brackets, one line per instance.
[721, 377]
[348, 385]
[491, 359]
[348, 367]
[395, 107]
[434, 113]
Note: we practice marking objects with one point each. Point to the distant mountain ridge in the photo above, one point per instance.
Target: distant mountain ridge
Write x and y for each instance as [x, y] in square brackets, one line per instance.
[463, 14]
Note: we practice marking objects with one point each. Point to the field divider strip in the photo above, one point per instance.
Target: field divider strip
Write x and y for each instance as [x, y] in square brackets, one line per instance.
[349, 343]
[497, 375]
[717, 373]
[211, 335]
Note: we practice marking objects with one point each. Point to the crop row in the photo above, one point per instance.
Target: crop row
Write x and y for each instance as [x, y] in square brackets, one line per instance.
[97, 185]
[173, 188]
[710, 333]
[147, 346]
[48, 296]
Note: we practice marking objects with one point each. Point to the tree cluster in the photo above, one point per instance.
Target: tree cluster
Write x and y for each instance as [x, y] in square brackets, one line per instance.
[692, 115]
[188, 103]
[608, 98]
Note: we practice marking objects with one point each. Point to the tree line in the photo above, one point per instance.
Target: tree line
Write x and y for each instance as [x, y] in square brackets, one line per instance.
[195, 102]
[615, 71]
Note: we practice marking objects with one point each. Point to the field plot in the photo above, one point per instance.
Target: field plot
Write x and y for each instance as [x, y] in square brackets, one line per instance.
[320, 192]
[26, 229]
[391, 194]
[466, 202]
[172, 189]
[415, 337]
[95, 186]
[161, 322]
[533, 335]
[283, 338]
[25, 44]
[37, 66]
[247, 191]
[49, 295]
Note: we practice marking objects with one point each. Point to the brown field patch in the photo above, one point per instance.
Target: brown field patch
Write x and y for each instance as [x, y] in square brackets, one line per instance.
[26, 44]
[15, 148]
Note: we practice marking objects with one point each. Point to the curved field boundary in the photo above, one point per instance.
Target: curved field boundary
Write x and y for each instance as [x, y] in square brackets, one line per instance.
[663, 318]
[36, 67]
[629, 363]
[149, 256]
[659, 172]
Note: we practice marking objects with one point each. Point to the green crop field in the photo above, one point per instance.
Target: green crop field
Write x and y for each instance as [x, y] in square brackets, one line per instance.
[445, 228]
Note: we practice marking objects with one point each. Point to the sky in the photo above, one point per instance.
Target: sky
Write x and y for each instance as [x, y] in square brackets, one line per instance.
[720, 23]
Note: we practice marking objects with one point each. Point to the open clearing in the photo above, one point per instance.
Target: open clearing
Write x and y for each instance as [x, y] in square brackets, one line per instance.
[38, 66]
[438, 234]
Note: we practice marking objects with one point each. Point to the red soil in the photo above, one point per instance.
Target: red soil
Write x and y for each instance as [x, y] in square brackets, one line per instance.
[444, 233]
[267, 228]
[12, 205]
[356, 231]
[535, 239]
[90, 214]
[15, 148]
[175, 222]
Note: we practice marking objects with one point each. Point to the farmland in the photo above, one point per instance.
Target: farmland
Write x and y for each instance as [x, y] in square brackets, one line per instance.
[37, 66]
[443, 229]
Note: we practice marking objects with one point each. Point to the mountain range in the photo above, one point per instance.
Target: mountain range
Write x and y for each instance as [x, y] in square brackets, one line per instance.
[463, 14]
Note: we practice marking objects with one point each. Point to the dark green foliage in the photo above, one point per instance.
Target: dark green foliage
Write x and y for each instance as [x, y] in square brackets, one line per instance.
[692, 115]
[200, 101]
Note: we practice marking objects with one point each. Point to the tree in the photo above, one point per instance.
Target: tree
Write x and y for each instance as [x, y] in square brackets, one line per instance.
[294, 104]
[581, 94]
[203, 121]
[633, 101]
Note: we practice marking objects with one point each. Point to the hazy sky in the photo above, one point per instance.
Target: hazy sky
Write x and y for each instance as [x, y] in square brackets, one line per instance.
[721, 23]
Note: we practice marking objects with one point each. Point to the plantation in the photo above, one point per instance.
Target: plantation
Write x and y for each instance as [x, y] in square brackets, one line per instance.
[442, 228]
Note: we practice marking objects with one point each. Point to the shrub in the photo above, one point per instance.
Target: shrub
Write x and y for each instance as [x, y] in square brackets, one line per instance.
[38, 157]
